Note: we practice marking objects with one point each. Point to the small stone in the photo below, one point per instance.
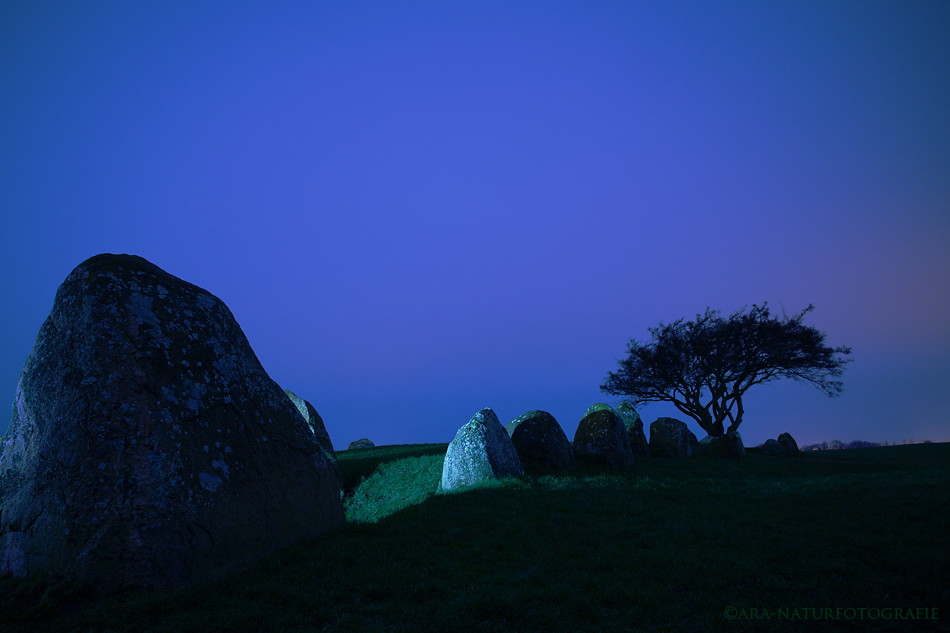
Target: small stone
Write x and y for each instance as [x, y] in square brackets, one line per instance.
[360, 443]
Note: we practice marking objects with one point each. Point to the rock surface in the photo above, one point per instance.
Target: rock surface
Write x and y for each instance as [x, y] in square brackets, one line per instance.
[670, 437]
[315, 422]
[634, 425]
[540, 442]
[148, 447]
[772, 447]
[788, 443]
[361, 443]
[481, 450]
[728, 446]
[601, 437]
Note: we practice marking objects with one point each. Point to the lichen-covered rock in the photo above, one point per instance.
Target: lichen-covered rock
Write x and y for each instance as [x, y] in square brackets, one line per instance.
[481, 450]
[772, 447]
[670, 437]
[788, 443]
[540, 442]
[599, 406]
[148, 447]
[634, 425]
[601, 437]
[727, 446]
[315, 422]
[361, 443]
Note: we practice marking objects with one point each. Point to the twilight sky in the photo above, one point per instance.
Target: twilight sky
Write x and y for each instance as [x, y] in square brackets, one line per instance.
[419, 209]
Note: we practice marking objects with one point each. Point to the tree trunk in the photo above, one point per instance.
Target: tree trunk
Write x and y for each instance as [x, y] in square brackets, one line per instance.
[712, 427]
[735, 424]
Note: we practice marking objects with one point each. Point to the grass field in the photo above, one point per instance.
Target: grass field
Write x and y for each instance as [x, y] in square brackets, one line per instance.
[675, 545]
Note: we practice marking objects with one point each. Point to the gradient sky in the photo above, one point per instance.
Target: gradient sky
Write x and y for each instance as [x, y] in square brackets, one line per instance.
[419, 209]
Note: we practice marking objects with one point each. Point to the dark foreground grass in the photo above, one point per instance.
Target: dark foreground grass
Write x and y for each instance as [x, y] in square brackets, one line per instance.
[670, 546]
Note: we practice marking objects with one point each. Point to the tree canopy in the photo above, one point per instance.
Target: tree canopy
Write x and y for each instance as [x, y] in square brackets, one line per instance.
[705, 366]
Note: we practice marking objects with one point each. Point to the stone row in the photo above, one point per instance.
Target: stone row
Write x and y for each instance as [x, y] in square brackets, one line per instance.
[483, 449]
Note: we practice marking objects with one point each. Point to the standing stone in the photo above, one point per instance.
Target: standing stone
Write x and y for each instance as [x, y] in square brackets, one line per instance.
[481, 450]
[148, 447]
[601, 437]
[728, 446]
[671, 438]
[788, 443]
[315, 422]
[540, 442]
[363, 442]
[634, 425]
[771, 447]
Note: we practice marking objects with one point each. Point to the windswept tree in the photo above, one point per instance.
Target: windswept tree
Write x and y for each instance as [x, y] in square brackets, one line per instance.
[704, 367]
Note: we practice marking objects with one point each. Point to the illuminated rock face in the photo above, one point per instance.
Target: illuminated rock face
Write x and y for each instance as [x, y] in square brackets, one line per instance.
[601, 437]
[481, 450]
[148, 447]
[540, 442]
[319, 430]
[634, 425]
[669, 437]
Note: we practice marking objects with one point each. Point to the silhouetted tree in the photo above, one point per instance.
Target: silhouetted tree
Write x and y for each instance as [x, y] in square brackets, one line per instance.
[723, 358]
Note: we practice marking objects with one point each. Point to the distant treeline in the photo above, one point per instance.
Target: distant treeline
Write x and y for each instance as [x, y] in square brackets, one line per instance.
[838, 444]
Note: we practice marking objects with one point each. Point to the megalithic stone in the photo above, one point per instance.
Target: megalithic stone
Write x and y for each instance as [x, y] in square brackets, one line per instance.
[149, 448]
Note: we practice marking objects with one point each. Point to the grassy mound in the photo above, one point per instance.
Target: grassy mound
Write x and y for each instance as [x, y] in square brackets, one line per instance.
[359, 464]
[395, 485]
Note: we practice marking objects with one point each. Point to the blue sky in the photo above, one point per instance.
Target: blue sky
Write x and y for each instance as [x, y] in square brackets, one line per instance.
[419, 209]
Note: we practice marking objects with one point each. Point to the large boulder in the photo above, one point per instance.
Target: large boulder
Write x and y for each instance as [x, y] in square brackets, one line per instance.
[481, 450]
[148, 447]
[540, 442]
[315, 422]
[728, 446]
[788, 443]
[363, 442]
[671, 438]
[772, 447]
[634, 425]
[602, 438]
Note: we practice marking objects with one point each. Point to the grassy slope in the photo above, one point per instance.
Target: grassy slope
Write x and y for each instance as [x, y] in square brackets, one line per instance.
[667, 547]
